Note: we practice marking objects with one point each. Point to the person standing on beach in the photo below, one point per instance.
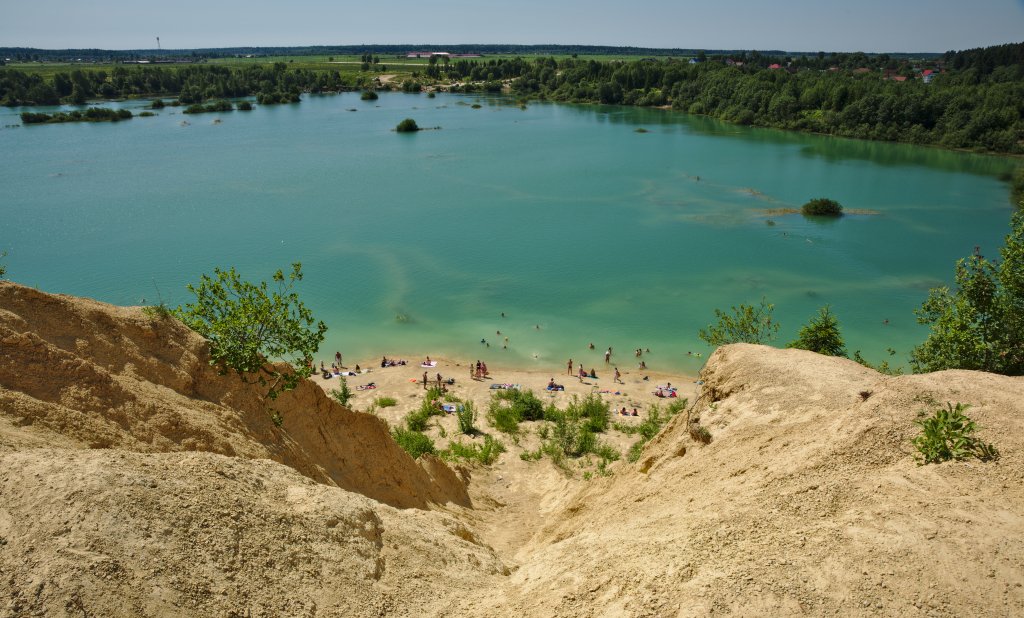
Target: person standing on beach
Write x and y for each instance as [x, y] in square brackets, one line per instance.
[337, 359]
[608, 355]
[424, 380]
[618, 376]
[570, 367]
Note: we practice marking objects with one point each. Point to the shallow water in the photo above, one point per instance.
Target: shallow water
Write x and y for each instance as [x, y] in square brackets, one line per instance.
[562, 217]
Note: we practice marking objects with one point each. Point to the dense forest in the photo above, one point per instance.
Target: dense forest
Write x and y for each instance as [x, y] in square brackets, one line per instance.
[968, 99]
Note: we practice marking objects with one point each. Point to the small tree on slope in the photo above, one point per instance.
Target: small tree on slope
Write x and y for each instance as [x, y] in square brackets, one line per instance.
[980, 325]
[247, 326]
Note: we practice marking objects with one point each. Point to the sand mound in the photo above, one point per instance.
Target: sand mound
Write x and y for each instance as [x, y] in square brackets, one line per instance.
[808, 501]
[79, 373]
[114, 533]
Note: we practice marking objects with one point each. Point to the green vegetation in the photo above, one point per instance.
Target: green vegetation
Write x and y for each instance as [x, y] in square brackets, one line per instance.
[3, 269]
[747, 324]
[415, 443]
[821, 335]
[948, 434]
[1017, 187]
[656, 419]
[247, 326]
[216, 106]
[485, 454]
[369, 95]
[981, 324]
[882, 367]
[407, 126]
[157, 104]
[466, 416]
[965, 99]
[343, 394]
[277, 97]
[245, 106]
[385, 402]
[93, 114]
[572, 433]
[822, 207]
[147, 115]
[510, 407]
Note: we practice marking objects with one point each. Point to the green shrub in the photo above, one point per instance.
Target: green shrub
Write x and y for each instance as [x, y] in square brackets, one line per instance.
[157, 104]
[505, 418]
[948, 435]
[415, 443]
[486, 453]
[343, 394]
[466, 416]
[821, 335]
[980, 325]
[747, 324]
[245, 106]
[146, 115]
[407, 126]
[385, 402]
[593, 409]
[822, 207]
[369, 95]
[650, 426]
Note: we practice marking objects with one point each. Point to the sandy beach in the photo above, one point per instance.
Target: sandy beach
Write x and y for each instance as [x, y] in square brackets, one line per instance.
[405, 384]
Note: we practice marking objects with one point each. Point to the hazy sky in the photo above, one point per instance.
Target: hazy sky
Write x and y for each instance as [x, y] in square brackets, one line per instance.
[792, 25]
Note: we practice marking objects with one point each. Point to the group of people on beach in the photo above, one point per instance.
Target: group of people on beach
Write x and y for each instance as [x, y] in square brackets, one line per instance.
[479, 371]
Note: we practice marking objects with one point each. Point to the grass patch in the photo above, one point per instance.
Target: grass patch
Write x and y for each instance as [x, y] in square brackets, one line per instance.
[485, 454]
[385, 402]
[415, 443]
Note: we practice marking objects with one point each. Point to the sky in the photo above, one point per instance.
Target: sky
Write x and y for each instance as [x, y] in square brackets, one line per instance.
[789, 25]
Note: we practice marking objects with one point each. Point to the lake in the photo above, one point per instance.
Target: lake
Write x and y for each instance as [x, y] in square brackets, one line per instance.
[563, 217]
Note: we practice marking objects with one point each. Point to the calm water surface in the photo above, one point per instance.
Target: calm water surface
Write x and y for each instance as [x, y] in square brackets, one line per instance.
[562, 217]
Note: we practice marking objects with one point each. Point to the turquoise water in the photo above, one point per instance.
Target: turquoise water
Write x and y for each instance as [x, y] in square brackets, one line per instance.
[562, 217]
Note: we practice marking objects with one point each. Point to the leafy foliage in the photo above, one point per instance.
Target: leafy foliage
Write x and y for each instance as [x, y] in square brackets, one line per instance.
[3, 269]
[747, 324]
[343, 394]
[822, 207]
[247, 325]
[486, 453]
[465, 414]
[415, 443]
[948, 434]
[980, 325]
[510, 407]
[821, 335]
[385, 402]
[882, 367]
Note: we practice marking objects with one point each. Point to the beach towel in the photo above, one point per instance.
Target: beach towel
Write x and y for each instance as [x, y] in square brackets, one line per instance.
[556, 388]
[428, 365]
[495, 387]
[366, 387]
[451, 408]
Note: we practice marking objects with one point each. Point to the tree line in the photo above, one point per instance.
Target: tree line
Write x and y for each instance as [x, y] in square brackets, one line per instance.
[190, 84]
